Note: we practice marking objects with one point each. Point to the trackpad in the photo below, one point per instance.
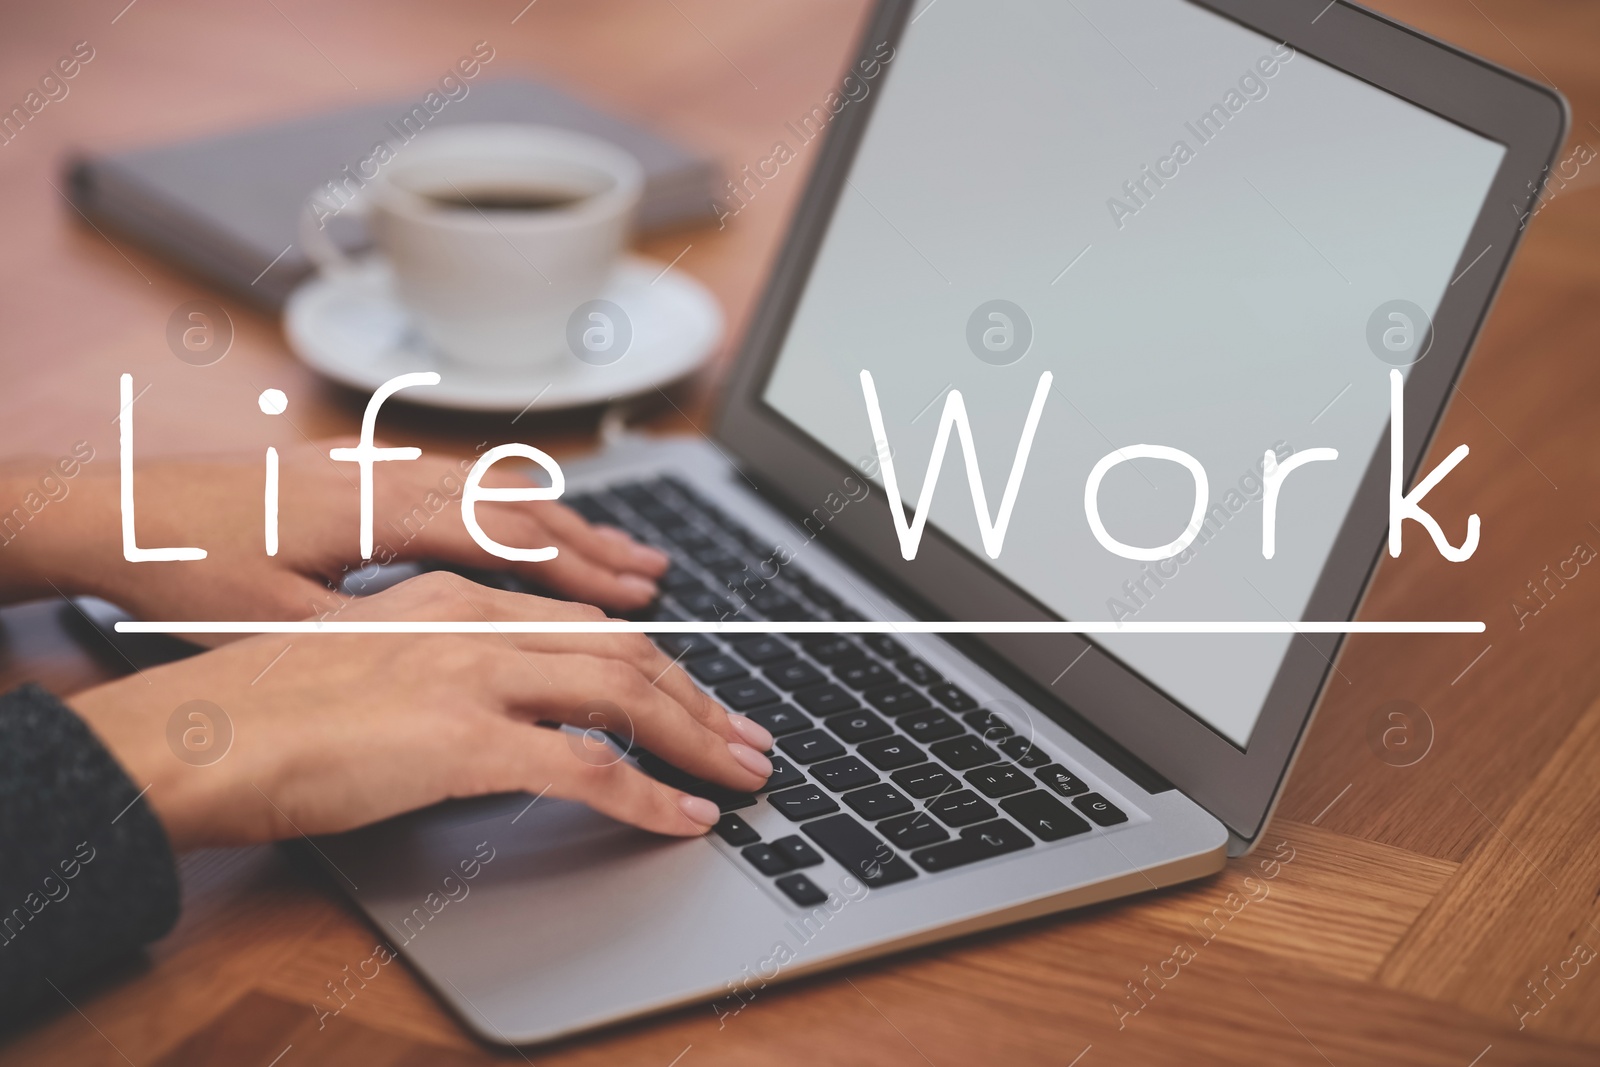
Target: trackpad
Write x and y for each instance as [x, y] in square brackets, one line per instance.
[527, 908]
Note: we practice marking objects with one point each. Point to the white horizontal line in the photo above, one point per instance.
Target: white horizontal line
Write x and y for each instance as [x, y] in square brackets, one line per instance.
[1269, 626]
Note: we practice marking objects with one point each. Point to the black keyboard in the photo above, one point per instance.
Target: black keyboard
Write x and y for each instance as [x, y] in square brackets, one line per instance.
[879, 761]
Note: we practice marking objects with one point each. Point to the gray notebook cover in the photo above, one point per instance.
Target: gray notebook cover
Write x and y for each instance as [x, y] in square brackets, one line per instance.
[227, 206]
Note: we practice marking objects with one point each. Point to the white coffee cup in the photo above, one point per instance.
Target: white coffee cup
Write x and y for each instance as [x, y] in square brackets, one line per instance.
[497, 233]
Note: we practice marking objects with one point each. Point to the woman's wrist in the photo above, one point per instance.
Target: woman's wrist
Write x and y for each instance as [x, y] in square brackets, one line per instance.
[140, 737]
[55, 532]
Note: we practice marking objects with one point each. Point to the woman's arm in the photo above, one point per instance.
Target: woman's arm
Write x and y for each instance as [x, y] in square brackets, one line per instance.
[328, 732]
[335, 730]
[73, 545]
[86, 874]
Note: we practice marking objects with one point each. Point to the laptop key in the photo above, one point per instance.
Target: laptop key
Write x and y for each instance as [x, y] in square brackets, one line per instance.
[591, 509]
[746, 693]
[705, 605]
[1000, 780]
[1061, 780]
[1024, 751]
[735, 831]
[765, 859]
[797, 852]
[714, 670]
[655, 612]
[710, 511]
[826, 700]
[795, 674]
[925, 780]
[659, 515]
[686, 646]
[856, 726]
[1098, 808]
[863, 675]
[991, 726]
[802, 802]
[929, 726]
[636, 494]
[823, 598]
[686, 536]
[952, 697]
[780, 719]
[760, 546]
[907, 832]
[784, 774]
[802, 890]
[677, 580]
[681, 487]
[877, 802]
[730, 571]
[810, 746]
[858, 850]
[664, 772]
[961, 808]
[713, 556]
[846, 772]
[1047, 817]
[636, 526]
[763, 650]
[976, 843]
[964, 752]
[833, 649]
[884, 645]
[724, 799]
[918, 671]
[887, 753]
[779, 606]
[896, 699]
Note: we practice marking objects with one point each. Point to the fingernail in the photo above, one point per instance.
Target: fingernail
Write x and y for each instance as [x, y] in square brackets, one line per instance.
[653, 558]
[699, 810]
[750, 759]
[754, 734]
[642, 589]
[644, 555]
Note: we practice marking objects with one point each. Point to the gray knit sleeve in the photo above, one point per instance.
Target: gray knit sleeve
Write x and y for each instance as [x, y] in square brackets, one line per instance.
[86, 873]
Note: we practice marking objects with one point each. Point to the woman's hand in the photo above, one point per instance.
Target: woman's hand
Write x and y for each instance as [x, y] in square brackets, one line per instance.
[333, 731]
[216, 504]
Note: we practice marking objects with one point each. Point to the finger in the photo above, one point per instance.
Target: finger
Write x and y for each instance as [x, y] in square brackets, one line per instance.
[666, 675]
[541, 761]
[541, 522]
[617, 667]
[634, 649]
[575, 574]
[571, 573]
[607, 546]
[586, 691]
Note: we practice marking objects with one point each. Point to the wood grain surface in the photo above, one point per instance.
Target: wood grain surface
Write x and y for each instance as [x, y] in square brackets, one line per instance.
[1429, 911]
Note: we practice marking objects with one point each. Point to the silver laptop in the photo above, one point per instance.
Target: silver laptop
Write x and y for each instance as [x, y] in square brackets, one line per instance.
[1217, 226]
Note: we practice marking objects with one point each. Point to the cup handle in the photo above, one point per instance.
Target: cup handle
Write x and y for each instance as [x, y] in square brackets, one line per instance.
[319, 247]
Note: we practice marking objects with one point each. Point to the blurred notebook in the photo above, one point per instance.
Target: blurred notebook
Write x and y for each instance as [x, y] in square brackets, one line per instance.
[226, 206]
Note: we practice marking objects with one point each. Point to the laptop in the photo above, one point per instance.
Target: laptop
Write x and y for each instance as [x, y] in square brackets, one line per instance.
[1212, 226]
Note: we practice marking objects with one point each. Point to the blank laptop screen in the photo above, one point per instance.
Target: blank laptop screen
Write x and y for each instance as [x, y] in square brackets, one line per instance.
[1192, 228]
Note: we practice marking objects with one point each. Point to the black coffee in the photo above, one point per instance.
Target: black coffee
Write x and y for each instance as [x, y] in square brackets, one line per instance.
[503, 199]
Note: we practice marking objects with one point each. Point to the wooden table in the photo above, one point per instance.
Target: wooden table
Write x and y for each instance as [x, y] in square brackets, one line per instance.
[1421, 900]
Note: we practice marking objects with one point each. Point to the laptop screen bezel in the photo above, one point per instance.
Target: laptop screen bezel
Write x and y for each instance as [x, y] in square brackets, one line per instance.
[1236, 785]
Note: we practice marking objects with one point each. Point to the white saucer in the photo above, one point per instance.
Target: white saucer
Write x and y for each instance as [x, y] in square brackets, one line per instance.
[351, 328]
